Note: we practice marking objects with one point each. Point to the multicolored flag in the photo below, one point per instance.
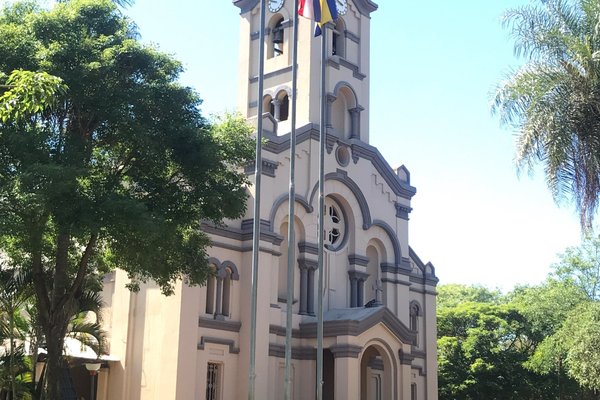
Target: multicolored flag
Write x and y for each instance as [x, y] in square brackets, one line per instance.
[320, 11]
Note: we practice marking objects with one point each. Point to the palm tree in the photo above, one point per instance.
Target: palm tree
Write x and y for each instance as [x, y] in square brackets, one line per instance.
[18, 323]
[553, 100]
[14, 294]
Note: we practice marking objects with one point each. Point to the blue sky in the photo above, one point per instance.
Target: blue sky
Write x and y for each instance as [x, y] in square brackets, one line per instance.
[433, 67]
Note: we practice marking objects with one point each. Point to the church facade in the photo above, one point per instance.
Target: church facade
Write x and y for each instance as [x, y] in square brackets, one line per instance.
[379, 297]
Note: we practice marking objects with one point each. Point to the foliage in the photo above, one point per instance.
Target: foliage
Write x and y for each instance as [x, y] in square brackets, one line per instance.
[452, 295]
[481, 349]
[581, 334]
[15, 381]
[119, 169]
[27, 93]
[553, 100]
[567, 311]
[547, 335]
[580, 266]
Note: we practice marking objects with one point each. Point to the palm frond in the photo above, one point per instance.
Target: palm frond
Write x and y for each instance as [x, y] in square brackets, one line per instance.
[553, 101]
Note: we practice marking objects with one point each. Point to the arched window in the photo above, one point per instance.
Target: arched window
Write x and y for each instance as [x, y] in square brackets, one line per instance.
[284, 107]
[414, 313]
[277, 39]
[338, 44]
[335, 224]
[219, 289]
[210, 292]
[226, 293]
[372, 284]
[269, 105]
[344, 112]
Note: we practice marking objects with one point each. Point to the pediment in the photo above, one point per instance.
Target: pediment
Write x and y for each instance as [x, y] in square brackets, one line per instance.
[402, 188]
[356, 321]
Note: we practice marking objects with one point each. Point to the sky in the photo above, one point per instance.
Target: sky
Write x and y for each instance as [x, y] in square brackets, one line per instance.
[434, 66]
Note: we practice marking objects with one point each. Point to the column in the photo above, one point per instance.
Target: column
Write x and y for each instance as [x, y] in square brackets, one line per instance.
[360, 301]
[347, 372]
[355, 122]
[330, 99]
[311, 291]
[303, 290]
[219, 303]
[353, 291]
[276, 106]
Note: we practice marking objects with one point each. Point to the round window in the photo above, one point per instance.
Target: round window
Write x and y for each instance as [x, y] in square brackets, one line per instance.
[335, 225]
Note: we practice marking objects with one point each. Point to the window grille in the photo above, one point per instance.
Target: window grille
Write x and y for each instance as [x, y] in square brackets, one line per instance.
[212, 381]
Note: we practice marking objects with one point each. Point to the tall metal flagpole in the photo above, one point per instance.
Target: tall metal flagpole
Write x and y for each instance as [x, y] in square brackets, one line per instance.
[322, 136]
[291, 213]
[257, 187]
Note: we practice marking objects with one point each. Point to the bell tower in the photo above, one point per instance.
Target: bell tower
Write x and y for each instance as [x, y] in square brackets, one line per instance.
[347, 81]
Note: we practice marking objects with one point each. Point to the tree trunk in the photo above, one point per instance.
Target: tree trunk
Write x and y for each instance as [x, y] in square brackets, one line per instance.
[55, 337]
[11, 374]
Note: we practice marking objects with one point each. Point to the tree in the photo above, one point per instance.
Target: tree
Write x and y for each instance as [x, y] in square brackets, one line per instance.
[494, 346]
[564, 315]
[452, 295]
[553, 100]
[481, 349]
[581, 333]
[580, 266]
[14, 294]
[118, 171]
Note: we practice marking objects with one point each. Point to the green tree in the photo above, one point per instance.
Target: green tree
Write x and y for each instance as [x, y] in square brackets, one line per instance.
[494, 346]
[581, 333]
[118, 171]
[452, 295]
[546, 307]
[481, 349]
[580, 266]
[553, 100]
[566, 312]
[14, 294]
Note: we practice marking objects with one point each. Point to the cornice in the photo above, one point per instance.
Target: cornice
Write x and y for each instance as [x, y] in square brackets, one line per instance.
[298, 353]
[245, 233]
[221, 325]
[220, 341]
[245, 5]
[354, 327]
[365, 7]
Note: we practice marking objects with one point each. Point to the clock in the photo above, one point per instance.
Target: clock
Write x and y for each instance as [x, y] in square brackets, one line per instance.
[342, 6]
[275, 5]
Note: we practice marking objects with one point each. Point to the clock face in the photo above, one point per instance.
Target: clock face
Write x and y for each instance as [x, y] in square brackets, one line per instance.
[342, 6]
[275, 5]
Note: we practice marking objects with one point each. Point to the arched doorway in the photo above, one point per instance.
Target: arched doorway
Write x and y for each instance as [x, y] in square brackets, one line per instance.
[376, 374]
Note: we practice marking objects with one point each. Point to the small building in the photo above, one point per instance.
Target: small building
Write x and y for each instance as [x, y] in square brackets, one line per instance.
[379, 297]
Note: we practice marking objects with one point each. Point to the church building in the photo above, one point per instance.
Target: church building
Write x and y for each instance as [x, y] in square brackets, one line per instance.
[379, 297]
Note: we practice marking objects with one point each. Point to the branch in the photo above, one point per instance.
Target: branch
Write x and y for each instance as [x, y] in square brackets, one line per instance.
[39, 277]
[83, 264]
[60, 270]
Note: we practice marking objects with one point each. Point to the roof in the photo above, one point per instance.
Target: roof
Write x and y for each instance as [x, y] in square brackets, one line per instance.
[355, 321]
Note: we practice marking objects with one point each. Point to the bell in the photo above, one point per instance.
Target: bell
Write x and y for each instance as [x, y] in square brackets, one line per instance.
[278, 36]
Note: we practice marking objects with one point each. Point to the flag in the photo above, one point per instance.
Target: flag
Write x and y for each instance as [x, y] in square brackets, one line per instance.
[320, 11]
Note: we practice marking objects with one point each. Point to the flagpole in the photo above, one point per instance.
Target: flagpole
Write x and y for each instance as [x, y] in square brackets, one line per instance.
[291, 262]
[322, 138]
[257, 188]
